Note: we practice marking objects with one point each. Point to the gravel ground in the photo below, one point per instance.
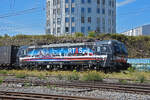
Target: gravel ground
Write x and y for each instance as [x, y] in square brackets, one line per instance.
[74, 92]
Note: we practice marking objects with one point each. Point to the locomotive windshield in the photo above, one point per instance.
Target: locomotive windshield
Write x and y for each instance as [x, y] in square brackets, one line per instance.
[119, 49]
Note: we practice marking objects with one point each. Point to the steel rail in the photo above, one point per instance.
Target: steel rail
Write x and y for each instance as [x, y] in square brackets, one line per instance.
[36, 96]
[130, 88]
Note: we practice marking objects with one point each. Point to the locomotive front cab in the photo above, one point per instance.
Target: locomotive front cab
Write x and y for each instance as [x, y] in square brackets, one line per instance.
[120, 49]
[120, 55]
[104, 50]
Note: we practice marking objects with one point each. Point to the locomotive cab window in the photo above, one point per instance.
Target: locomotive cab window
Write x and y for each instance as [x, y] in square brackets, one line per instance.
[120, 49]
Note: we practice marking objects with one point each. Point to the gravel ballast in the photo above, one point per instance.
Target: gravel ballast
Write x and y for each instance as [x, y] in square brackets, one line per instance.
[73, 92]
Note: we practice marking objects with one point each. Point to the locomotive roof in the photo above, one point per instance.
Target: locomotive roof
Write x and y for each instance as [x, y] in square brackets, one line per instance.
[74, 44]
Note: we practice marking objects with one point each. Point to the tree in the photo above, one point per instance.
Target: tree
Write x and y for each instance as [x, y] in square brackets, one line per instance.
[6, 36]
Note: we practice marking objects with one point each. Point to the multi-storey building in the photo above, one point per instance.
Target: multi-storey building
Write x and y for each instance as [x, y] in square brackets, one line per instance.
[142, 30]
[70, 16]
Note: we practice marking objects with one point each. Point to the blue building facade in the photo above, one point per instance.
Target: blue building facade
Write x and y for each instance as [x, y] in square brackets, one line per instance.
[70, 16]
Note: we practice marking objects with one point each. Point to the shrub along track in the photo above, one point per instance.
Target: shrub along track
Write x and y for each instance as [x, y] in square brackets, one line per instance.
[128, 88]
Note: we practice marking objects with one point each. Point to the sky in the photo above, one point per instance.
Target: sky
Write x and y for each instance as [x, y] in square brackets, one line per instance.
[29, 16]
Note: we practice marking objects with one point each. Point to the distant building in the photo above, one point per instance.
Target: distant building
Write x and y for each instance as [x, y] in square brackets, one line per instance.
[70, 16]
[142, 30]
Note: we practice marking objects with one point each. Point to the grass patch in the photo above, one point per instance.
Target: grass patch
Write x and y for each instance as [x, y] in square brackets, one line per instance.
[86, 75]
[3, 72]
[131, 69]
[42, 77]
[49, 86]
[123, 81]
[21, 76]
[74, 76]
[59, 76]
[92, 76]
[1, 81]
[141, 78]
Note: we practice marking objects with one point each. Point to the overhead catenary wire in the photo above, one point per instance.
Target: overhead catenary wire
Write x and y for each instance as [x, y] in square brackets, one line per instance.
[20, 12]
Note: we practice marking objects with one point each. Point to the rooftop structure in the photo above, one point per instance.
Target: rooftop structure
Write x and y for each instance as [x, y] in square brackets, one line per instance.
[142, 30]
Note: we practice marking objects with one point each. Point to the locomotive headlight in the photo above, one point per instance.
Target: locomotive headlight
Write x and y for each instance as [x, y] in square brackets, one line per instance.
[109, 42]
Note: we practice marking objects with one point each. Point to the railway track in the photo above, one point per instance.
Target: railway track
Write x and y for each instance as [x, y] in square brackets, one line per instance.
[4, 95]
[129, 88]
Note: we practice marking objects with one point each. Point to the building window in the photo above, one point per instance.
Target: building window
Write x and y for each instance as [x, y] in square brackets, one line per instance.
[66, 19]
[82, 10]
[72, 10]
[82, 29]
[82, 1]
[48, 31]
[89, 28]
[109, 12]
[110, 3]
[48, 23]
[89, 1]
[58, 21]
[58, 11]
[98, 1]
[67, 10]
[54, 21]
[103, 11]
[73, 1]
[54, 30]
[82, 19]
[98, 10]
[103, 2]
[54, 11]
[66, 1]
[54, 2]
[89, 10]
[58, 1]
[72, 19]
[67, 29]
[98, 29]
[113, 4]
[48, 4]
[72, 29]
[103, 24]
[98, 20]
[89, 19]
[58, 29]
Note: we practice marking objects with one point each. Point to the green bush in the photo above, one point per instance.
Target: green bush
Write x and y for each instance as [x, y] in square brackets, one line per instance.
[122, 81]
[131, 69]
[59, 76]
[92, 76]
[3, 72]
[73, 76]
[49, 86]
[142, 78]
[1, 81]
[41, 77]
[78, 34]
[20, 76]
[92, 34]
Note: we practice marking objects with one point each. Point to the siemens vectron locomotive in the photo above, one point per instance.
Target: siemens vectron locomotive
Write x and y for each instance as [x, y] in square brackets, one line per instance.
[110, 54]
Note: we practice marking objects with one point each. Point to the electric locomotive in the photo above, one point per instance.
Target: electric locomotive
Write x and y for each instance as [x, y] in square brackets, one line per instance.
[107, 54]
